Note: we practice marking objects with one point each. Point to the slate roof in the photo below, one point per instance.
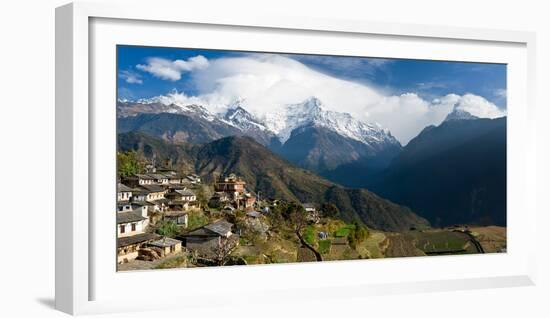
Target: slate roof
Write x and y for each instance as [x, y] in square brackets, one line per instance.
[128, 217]
[186, 192]
[135, 239]
[165, 242]
[123, 188]
[158, 176]
[254, 214]
[144, 176]
[152, 187]
[308, 206]
[219, 227]
[142, 203]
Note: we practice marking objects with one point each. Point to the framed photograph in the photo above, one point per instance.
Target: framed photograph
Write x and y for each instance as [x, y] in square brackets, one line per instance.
[268, 156]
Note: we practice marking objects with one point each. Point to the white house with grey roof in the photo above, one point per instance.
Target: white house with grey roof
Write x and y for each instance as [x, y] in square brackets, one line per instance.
[131, 235]
[132, 222]
[124, 193]
[154, 192]
[187, 195]
[159, 178]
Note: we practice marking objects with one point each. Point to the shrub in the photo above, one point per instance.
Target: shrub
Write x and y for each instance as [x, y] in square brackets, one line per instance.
[168, 229]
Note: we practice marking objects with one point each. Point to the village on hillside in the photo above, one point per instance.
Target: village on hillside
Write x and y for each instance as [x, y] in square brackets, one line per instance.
[164, 216]
[167, 219]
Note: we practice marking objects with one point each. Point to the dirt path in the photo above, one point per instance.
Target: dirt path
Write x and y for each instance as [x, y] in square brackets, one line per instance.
[476, 244]
[318, 256]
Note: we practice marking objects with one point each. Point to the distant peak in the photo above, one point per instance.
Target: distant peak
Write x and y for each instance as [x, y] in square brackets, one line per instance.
[237, 103]
[459, 114]
[313, 102]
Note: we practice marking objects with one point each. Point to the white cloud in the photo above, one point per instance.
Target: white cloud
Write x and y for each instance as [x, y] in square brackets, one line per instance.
[479, 106]
[130, 77]
[501, 93]
[268, 82]
[172, 70]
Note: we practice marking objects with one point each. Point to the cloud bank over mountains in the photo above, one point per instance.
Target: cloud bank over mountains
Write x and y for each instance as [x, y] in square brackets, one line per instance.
[265, 83]
[172, 70]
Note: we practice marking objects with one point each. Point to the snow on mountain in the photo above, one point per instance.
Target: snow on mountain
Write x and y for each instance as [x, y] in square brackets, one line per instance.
[312, 112]
[189, 109]
[239, 117]
[281, 122]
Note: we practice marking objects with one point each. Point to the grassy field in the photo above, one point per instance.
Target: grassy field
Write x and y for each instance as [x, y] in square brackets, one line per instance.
[441, 241]
[324, 246]
[343, 231]
[309, 235]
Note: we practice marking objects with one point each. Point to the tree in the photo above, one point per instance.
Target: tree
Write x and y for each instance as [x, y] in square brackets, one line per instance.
[294, 214]
[168, 229]
[358, 235]
[221, 253]
[276, 219]
[330, 210]
[201, 197]
[128, 163]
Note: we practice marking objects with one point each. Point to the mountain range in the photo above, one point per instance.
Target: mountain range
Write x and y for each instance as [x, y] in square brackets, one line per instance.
[272, 176]
[454, 173]
[306, 133]
[451, 173]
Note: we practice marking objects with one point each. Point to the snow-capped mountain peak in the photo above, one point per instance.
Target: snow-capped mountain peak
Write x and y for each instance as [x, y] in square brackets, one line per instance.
[279, 123]
[239, 117]
[312, 112]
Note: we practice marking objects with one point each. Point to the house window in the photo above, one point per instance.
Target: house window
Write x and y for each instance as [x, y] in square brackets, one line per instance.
[122, 228]
[133, 227]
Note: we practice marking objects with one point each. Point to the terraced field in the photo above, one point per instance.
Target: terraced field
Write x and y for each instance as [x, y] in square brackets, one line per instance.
[491, 238]
[441, 242]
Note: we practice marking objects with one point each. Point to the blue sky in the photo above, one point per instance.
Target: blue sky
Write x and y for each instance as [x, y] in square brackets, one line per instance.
[428, 79]
[402, 95]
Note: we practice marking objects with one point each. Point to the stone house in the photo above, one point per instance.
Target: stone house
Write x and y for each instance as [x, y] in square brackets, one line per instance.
[128, 247]
[207, 239]
[154, 192]
[166, 246]
[230, 184]
[181, 218]
[124, 193]
[138, 179]
[159, 178]
[131, 234]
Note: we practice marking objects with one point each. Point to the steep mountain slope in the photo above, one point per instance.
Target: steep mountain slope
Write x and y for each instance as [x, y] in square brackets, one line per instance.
[306, 133]
[250, 126]
[452, 173]
[275, 177]
[181, 156]
[177, 128]
[322, 150]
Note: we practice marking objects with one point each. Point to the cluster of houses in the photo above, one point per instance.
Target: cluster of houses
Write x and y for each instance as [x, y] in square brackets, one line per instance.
[145, 200]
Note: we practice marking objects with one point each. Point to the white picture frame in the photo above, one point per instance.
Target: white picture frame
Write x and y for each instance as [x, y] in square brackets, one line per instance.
[77, 179]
